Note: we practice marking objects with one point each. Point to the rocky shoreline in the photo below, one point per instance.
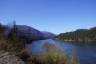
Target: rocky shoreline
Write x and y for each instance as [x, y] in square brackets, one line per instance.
[8, 58]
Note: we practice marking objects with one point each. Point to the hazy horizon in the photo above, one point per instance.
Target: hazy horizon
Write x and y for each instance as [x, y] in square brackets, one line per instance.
[56, 16]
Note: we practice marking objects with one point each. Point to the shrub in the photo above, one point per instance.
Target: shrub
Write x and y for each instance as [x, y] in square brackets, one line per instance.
[12, 43]
[52, 54]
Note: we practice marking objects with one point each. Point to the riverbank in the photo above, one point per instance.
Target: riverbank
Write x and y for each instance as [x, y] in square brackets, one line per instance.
[90, 42]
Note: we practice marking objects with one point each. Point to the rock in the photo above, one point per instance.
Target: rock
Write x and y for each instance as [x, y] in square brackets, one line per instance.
[8, 58]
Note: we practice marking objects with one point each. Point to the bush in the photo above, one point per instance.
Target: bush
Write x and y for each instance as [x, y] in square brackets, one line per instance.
[52, 54]
[13, 42]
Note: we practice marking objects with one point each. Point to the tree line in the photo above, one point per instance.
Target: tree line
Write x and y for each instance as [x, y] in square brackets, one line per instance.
[80, 35]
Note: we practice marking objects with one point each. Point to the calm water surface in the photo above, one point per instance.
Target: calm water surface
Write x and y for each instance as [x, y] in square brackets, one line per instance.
[85, 53]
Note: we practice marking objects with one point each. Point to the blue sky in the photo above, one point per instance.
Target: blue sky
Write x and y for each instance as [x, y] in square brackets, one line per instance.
[55, 16]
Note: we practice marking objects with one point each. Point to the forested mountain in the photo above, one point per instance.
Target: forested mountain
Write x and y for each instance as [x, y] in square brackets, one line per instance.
[28, 32]
[85, 35]
[33, 33]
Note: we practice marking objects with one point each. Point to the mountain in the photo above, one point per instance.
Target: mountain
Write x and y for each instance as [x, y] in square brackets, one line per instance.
[80, 35]
[48, 34]
[31, 33]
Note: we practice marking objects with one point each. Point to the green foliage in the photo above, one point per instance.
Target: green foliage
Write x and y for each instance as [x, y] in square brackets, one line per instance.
[12, 43]
[1, 28]
[80, 35]
[8, 47]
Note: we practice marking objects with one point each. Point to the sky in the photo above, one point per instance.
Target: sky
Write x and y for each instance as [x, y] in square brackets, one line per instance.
[56, 16]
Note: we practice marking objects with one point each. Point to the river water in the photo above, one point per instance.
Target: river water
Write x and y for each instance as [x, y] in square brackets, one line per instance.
[86, 54]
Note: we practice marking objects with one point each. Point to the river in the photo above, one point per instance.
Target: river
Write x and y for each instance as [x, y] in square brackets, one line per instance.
[86, 54]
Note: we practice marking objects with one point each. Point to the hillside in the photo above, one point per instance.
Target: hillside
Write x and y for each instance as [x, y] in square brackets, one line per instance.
[80, 35]
[29, 32]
